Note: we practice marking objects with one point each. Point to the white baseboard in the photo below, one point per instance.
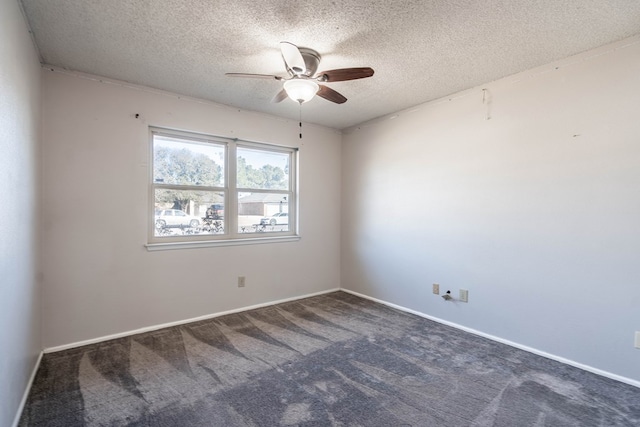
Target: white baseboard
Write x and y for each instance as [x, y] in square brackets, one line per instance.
[504, 341]
[27, 390]
[179, 322]
[588, 368]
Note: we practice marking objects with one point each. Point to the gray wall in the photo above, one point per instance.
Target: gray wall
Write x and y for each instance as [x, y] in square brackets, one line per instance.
[530, 200]
[20, 325]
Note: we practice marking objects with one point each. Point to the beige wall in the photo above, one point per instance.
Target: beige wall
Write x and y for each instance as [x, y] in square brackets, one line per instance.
[20, 311]
[530, 200]
[99, 278]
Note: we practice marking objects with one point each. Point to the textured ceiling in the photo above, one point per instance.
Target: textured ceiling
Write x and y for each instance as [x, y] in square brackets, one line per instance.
[420, 50]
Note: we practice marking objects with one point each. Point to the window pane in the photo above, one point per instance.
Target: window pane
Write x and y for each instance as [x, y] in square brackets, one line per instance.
[263, 212]
[179, 212]
[186, 162]
[261, 169]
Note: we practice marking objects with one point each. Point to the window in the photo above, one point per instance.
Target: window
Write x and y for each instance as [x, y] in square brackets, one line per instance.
[211, 189]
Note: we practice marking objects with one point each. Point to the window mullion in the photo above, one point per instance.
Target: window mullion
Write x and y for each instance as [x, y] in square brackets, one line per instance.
[232, 194]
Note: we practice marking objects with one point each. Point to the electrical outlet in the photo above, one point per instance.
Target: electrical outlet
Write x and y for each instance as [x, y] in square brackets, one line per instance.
[464, 295]
[637, 344]
[436, 289]
[241, 281]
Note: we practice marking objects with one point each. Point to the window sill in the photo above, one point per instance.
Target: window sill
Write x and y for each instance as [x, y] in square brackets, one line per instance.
[215, 243]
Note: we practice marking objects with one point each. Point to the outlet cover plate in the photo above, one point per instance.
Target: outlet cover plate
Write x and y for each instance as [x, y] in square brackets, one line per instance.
[464, 295]
[637, 344]
[436, 289]
[241, 281]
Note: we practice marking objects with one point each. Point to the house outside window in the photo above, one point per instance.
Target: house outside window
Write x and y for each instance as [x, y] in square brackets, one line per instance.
[212, 189]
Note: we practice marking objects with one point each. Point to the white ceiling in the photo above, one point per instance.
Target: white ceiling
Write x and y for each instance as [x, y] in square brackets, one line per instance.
[420, 50]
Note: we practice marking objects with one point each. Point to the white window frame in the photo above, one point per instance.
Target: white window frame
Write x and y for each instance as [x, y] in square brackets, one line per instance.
[231, 234]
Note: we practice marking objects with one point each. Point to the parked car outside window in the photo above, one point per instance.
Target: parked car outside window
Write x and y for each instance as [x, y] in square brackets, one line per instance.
[278, 218]
[175, 218]
[215, 211]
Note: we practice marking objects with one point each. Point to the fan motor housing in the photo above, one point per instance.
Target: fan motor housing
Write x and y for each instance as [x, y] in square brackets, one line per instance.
[311, 60]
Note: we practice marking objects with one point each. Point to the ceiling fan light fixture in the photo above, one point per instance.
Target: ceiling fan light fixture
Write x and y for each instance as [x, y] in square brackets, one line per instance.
[301, 90]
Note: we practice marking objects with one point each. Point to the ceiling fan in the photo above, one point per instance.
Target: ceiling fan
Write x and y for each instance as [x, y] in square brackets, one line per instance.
[302, 83]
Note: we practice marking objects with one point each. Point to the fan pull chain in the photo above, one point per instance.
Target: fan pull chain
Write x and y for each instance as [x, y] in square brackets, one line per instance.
[300, 123]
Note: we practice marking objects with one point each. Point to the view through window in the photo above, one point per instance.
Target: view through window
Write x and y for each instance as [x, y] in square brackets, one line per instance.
[198, 196]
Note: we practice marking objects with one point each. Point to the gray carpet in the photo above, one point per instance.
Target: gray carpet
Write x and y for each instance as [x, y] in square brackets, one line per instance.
[330, 360]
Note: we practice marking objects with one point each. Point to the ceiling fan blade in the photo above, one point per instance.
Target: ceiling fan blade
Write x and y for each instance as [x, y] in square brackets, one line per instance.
[280, 96]
[331, 95]
[292, 58]
[255, 76]
[343, 74]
